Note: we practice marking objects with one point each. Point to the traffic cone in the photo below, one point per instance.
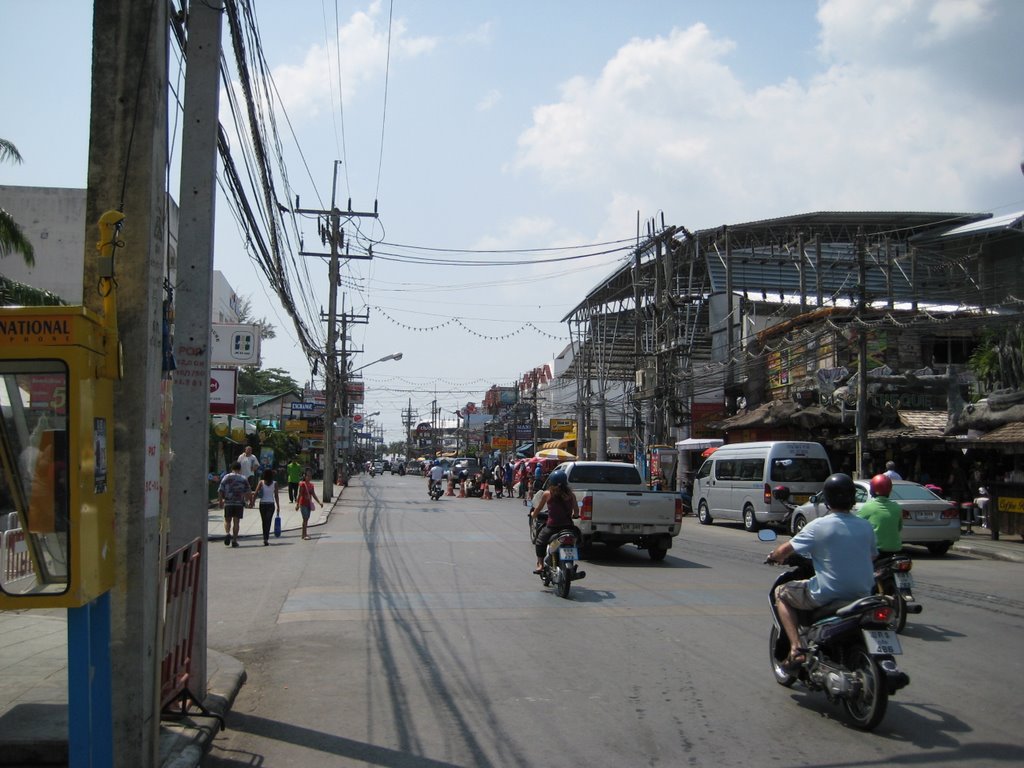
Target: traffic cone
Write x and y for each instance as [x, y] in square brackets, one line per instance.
[487, 491]
[451, 489]
[462, 491]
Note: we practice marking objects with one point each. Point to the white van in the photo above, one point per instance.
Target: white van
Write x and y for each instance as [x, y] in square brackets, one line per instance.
[736, 481]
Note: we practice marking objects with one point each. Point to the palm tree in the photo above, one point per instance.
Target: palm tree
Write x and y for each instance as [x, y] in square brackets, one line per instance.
[12, 240]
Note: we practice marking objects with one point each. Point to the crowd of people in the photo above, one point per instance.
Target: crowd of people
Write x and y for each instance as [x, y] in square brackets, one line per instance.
[520, 479]
[247, 484]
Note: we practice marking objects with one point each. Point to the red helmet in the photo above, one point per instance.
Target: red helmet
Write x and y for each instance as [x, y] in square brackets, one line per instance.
[881, 485]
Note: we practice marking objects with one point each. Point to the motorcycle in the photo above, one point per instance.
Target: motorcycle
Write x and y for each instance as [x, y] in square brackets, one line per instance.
[436, 491]
[559, 566]
[893, 579]
[850, 649]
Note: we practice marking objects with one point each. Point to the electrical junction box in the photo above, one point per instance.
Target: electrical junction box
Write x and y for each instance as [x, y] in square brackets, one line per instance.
[56, 446]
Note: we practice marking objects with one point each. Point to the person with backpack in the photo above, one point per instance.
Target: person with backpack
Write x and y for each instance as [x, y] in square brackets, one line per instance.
[305, 503]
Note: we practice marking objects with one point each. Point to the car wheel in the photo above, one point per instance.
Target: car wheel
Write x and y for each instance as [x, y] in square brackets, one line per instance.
[798, 523]
[939, 547]
[750, 519]
[703, 514]
[657, 554]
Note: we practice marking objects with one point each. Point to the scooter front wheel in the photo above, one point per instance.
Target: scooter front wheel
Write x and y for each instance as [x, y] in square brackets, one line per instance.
[777, 649]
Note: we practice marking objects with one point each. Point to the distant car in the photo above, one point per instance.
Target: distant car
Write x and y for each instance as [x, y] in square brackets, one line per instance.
[378, 467]
[928, 519]
[396, 467]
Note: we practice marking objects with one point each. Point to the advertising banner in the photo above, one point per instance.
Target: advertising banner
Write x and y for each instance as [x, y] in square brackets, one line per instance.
[223, 390]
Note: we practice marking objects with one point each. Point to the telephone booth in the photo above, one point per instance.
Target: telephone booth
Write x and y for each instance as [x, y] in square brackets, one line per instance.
[56, 489]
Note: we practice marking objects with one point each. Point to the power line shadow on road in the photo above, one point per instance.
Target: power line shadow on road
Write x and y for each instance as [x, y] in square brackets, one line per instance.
[307, 738]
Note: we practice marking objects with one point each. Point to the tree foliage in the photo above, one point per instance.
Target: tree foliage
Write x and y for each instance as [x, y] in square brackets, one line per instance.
[998, 360]
[253, 380]
[247, 317]
[12, 239]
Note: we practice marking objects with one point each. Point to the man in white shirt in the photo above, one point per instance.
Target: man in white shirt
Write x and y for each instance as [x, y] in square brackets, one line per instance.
[250, 464]
[436, 475]
[890, 471]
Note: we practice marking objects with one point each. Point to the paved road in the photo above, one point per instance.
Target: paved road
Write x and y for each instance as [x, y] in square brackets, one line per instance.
[411, 633]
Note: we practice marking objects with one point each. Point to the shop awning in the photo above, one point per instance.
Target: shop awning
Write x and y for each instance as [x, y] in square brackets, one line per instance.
[565, 444]
[698, 443]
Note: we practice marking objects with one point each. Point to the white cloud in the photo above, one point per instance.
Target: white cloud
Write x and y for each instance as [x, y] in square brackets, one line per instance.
[668, 123]
[306, 86]
[489, 100]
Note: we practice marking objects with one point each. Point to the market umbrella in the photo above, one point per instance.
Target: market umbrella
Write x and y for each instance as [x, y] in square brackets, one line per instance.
[708, 451]
[554, 453]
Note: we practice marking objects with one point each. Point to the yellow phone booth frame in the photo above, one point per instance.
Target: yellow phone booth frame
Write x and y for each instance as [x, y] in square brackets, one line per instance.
[56, 442]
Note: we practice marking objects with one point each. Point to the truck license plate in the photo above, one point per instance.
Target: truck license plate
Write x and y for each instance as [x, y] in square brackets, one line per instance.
[567, 554]
[631, 528]
[882, 642]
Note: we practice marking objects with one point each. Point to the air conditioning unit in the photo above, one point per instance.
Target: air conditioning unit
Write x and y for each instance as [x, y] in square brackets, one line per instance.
[641, 379]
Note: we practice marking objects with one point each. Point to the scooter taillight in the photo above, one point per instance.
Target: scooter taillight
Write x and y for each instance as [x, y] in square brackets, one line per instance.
[567, 540]
[903, 565]
[882, 614]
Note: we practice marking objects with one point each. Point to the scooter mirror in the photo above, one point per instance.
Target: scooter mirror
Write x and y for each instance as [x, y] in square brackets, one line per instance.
[767, 534]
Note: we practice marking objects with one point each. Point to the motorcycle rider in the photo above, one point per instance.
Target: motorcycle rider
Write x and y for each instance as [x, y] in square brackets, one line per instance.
[435, 475]
[562, 507]
[842, 548]
[885, 516]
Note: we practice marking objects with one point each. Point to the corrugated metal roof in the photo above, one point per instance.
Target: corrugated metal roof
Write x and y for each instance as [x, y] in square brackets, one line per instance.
[925, 421]
[1013, 221]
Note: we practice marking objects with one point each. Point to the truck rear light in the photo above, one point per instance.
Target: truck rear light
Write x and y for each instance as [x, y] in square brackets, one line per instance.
[951, 513]
[679, 511]
[587, 508]
[907, 515]
[768, 494]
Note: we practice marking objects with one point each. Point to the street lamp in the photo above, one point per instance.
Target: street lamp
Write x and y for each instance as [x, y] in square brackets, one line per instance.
[329, 447]
[394, 356]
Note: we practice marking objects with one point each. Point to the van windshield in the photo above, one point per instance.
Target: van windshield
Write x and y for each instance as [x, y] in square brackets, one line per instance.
[800, 470]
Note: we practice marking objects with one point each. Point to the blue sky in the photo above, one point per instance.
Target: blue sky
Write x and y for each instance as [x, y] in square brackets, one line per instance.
[551, 124]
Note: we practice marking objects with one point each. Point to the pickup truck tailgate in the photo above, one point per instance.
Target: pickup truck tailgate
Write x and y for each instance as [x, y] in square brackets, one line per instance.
[633, 508]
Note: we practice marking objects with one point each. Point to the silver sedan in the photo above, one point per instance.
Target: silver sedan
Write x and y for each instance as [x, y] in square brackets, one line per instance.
[928, 519]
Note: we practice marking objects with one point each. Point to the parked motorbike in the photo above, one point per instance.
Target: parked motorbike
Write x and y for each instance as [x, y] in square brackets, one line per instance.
[436, 491]
[893, 579]
[560, 563]
[850, 649]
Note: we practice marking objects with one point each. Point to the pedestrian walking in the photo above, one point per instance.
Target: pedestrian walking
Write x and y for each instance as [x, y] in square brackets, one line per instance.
[233, 495]
[307, 497]
[250, 464]
[499, 481]
[508, 477]
[294, 470]
[269, 502]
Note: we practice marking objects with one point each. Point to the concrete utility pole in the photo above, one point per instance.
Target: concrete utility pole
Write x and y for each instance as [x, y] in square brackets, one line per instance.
[127, 156]
[331, 374]
[191, 407]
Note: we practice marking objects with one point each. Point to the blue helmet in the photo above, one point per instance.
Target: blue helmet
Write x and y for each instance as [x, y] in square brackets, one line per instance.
[559, 478]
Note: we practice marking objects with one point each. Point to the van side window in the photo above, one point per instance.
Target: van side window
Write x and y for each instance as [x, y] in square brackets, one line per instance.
[751, 469]
[799, 470]
[705, 470]
[725, 470]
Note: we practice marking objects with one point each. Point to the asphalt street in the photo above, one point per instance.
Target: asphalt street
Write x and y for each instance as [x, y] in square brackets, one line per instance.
[411, 633]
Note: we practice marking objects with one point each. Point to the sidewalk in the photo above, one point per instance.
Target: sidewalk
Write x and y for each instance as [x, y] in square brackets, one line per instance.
[33, 669]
